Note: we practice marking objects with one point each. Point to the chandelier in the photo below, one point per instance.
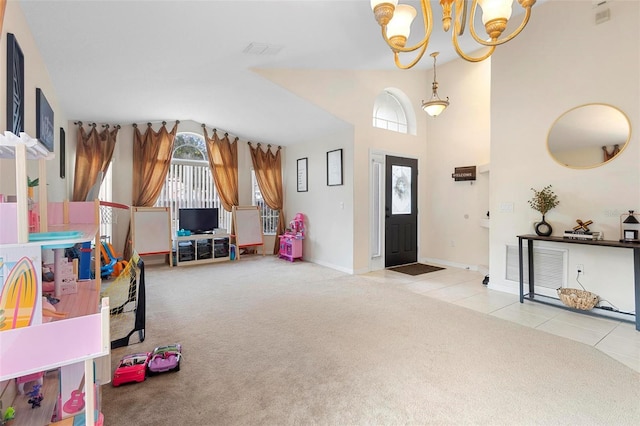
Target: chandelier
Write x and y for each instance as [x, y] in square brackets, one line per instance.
[395, 22]
[435, 105]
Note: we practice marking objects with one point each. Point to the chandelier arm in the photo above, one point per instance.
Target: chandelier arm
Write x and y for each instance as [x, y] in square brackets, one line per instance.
[396, 57]
[466, 57]
[427, 17]
[498, 42]
[461, 16]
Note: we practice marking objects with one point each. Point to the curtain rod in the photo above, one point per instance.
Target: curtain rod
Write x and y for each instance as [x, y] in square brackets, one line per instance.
[204, 126]
[215, 130]
[149, 123]
[79, 123]
[268, 145]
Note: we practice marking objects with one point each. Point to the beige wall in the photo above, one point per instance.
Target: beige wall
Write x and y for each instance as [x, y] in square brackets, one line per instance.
[328, 210]
[499, 115]
[35, 76]
[459, 137]
[450, 212]
[568, 61]
[349, 95]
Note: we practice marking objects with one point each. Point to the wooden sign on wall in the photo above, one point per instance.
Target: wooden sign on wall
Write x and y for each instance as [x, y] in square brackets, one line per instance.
[464, 173]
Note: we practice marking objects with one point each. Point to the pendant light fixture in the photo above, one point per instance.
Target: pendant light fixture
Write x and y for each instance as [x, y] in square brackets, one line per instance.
[435, 105]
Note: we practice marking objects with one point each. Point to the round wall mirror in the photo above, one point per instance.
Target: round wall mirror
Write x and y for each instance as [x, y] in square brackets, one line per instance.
[589, 136]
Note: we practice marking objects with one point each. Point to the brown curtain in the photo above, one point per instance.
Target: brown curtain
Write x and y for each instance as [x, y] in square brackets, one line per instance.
[152, 152]
[223, 162]
[93, 155]
[3, 4]
[268, 170]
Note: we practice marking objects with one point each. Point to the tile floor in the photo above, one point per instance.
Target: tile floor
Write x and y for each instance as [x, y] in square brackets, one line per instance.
[618, 339]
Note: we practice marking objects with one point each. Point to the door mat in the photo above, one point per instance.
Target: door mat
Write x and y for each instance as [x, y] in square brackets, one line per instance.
[415, 269]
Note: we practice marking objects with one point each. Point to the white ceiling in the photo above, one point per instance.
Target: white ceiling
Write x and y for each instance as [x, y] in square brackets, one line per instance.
[127, 61]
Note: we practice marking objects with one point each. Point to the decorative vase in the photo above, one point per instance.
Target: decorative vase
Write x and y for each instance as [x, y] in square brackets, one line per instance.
[543, 228]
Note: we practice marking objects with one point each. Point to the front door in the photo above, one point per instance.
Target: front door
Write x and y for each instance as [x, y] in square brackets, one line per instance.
[401, 211]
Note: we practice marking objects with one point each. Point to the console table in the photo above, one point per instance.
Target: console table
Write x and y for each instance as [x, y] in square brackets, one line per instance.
[599, 243]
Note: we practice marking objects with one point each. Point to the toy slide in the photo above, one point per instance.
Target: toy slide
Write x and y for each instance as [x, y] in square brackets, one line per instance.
[18, 298]
[113, 264]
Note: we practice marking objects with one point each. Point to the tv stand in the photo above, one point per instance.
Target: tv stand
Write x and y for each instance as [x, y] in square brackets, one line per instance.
[200, 248]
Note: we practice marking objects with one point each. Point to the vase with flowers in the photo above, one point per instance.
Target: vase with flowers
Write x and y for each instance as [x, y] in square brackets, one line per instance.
[543, 201]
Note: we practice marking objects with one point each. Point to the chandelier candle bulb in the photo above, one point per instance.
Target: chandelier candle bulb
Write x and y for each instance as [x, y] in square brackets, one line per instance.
[494, 19]
[399, 26]
[495, 9]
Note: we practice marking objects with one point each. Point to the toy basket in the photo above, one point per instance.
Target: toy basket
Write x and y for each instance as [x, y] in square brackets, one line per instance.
[578, 299]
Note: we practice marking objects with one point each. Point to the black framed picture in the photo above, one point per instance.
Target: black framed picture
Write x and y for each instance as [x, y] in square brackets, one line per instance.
[303, 178]
[63, 164]
[15, 86]
[334, 167]
[44, 120]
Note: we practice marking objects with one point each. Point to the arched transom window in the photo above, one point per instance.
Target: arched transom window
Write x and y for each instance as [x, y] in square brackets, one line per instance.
[189, 146]
[392, 110]
[189, 182]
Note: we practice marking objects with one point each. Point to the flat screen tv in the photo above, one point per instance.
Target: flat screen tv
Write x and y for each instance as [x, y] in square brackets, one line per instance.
[198, 220]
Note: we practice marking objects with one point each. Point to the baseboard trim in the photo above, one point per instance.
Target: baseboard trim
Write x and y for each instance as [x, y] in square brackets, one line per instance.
[449, 263]
[330, 265]
[504, 288]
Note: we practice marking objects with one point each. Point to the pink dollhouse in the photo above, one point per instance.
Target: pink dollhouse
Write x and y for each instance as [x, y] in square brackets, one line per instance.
[28, 345]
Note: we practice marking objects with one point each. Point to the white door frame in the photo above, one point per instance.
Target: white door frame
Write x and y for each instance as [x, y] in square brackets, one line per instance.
[376, 210]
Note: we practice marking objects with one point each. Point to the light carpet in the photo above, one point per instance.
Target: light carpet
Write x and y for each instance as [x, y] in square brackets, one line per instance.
[270, 342]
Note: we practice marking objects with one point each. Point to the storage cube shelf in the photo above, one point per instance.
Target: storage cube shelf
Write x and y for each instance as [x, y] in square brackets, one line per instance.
[200, 248]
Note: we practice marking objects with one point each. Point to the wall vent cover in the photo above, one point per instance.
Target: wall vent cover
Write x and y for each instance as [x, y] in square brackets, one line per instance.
[550, 267]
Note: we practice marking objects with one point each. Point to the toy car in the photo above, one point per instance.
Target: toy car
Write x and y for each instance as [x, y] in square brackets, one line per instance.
[132, 368]
[165, 358]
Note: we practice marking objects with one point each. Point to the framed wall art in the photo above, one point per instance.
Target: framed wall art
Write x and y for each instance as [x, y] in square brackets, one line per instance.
[334, 167]
[63, 163]
[15, 86]
[303, 178]
[44, 120]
